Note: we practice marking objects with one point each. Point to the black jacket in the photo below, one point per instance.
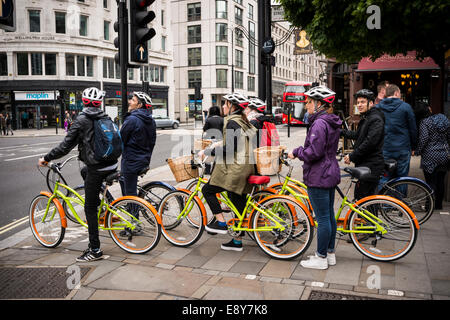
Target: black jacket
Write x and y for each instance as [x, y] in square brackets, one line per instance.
[213, 125]
[81, 133]
[368, 147]
[139, 137]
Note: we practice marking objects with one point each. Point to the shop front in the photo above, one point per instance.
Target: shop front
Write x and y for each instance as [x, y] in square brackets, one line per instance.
[36, 109]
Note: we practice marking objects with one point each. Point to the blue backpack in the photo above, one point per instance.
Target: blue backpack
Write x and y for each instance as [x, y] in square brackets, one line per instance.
[108, 144]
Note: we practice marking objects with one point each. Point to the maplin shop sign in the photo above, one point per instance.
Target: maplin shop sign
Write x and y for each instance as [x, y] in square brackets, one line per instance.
[27, 96]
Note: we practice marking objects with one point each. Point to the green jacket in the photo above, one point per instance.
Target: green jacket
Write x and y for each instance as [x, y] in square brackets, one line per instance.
[232, 172]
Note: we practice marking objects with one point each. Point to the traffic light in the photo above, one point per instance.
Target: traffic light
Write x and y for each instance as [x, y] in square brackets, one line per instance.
[7, 15]
[117, 42]
[139, 34]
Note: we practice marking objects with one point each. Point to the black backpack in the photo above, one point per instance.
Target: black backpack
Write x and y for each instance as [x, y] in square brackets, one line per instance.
[108, 144]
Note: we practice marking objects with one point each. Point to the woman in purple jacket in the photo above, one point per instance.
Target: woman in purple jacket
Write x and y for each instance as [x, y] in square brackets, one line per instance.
[321, 171]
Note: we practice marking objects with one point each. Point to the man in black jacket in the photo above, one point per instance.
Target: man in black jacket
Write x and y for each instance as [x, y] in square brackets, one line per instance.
[139, 137]
[81, 133]
[368, 147]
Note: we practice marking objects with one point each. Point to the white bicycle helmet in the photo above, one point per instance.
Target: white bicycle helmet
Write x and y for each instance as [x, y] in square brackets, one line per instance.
[144, 98]
[237, 98]
[321, 93]
[258, 104]
[93, 94]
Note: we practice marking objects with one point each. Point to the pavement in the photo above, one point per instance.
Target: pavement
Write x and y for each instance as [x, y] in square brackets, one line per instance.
[205, 272]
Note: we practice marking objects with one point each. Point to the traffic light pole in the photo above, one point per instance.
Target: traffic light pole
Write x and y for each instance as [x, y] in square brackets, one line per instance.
[123, 54]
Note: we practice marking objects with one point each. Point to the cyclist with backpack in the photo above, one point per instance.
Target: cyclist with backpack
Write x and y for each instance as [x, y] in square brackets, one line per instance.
[82, 133]
[139, 136]
[268, 133]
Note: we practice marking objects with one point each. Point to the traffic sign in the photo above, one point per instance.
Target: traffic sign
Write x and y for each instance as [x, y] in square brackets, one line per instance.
[141, 53]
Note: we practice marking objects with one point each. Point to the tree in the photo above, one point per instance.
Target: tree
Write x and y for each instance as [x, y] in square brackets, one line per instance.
[340, 29]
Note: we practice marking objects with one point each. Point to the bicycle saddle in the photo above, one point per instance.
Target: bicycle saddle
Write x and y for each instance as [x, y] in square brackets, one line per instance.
[390, 165]
[359, 173]
[112, 177]
[258, 179]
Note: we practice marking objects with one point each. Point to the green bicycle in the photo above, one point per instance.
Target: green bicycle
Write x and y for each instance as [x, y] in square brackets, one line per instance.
[281, 225]
[132, 222]
[380, 227]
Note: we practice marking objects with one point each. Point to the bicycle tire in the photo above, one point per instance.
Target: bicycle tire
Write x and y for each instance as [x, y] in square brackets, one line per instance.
[180, 231]
[297, 236]
[49, 233]
[52, 179]
[419, 199]
[147, 228]
[153, 192]
[257, 197]
[388, 246]
[298, 189]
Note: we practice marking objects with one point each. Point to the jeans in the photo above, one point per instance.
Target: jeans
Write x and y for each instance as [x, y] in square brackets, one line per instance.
[322, 201]
[92, 187]
[403, 158]
[128, 184]
[436, 180]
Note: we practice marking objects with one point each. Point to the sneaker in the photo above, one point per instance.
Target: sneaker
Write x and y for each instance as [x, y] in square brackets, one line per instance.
[331, 259]
[232, 246]
[216, 228]
[90, 255]
[315, 262]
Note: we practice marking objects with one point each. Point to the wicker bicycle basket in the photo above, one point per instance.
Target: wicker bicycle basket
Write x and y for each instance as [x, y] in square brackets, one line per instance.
[268, 159]
[202, 144]
[182, 169]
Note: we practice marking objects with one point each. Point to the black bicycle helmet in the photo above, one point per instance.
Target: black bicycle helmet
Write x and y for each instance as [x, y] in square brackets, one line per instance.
[365, 93]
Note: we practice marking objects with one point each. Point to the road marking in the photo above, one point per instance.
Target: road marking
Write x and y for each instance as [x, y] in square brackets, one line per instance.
[31, 156]
[28, 145]
[13, 225]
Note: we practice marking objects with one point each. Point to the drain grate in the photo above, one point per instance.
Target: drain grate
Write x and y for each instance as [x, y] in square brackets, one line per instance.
[323, 295]
[37, 283]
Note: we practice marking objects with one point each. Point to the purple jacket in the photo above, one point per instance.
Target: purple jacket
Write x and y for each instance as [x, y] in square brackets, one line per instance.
[320, 166]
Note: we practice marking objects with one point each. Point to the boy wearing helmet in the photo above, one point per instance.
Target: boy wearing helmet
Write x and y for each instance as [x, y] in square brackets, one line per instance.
[139, 137]
[81, 133]
[368, 147]
[321, 171]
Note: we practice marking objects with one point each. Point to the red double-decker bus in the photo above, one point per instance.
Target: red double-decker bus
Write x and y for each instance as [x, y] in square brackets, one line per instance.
[294, 98]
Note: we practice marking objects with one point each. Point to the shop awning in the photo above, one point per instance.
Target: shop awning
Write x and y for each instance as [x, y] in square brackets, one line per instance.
[397, 62]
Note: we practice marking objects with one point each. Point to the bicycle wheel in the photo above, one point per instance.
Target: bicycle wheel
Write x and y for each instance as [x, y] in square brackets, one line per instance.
[298, 231]
[414, 194]
[146, 230]
[153, 192]
[298, 190]
[395, 243]
[257, 197]
[51, 178]
[180, 230]
[46, 225]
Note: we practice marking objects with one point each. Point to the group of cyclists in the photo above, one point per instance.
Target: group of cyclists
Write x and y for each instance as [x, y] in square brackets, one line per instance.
[242, 119]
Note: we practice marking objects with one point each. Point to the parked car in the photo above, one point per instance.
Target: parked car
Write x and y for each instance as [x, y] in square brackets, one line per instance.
[278, 115]
[166, 122]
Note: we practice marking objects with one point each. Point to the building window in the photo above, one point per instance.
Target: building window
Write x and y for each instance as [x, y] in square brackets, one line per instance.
[221, 55]
[239, 36]
[81, 72]
[106, 30]
[36, 64]
[221, 32]
[3, 64]
[239, 61]
[111, 64]
[238, 1]
[70, 65]
[251, 48]
[131, 74]
[194, 56]
[251, 84]
[89, 66]
[221, 78]
[194, 34]
[60, 22]
[250, 11]
[163, 43]
[35, 20]
[194, 11]
[50, 64]
[22, 64]
[239, 80]
[152, 73]
[238, 12]
[83, 26]
[162, 17]
[194, 78]
[105, 4]
[221, 9]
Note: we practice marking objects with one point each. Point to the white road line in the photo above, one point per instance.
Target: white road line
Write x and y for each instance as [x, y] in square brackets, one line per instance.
[31, 156]
[13, 225]
[28, 145]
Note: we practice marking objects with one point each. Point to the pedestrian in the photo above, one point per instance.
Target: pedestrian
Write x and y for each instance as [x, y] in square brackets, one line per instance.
[138, 136]
[433, 146]
[232, 167]
[321, 171]
[8, 124]
[267, 131]
[213, 127]
[3, 123]
[381, 90]
[82, 134]
[400, 131]
[368, 147]
[67, 121]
